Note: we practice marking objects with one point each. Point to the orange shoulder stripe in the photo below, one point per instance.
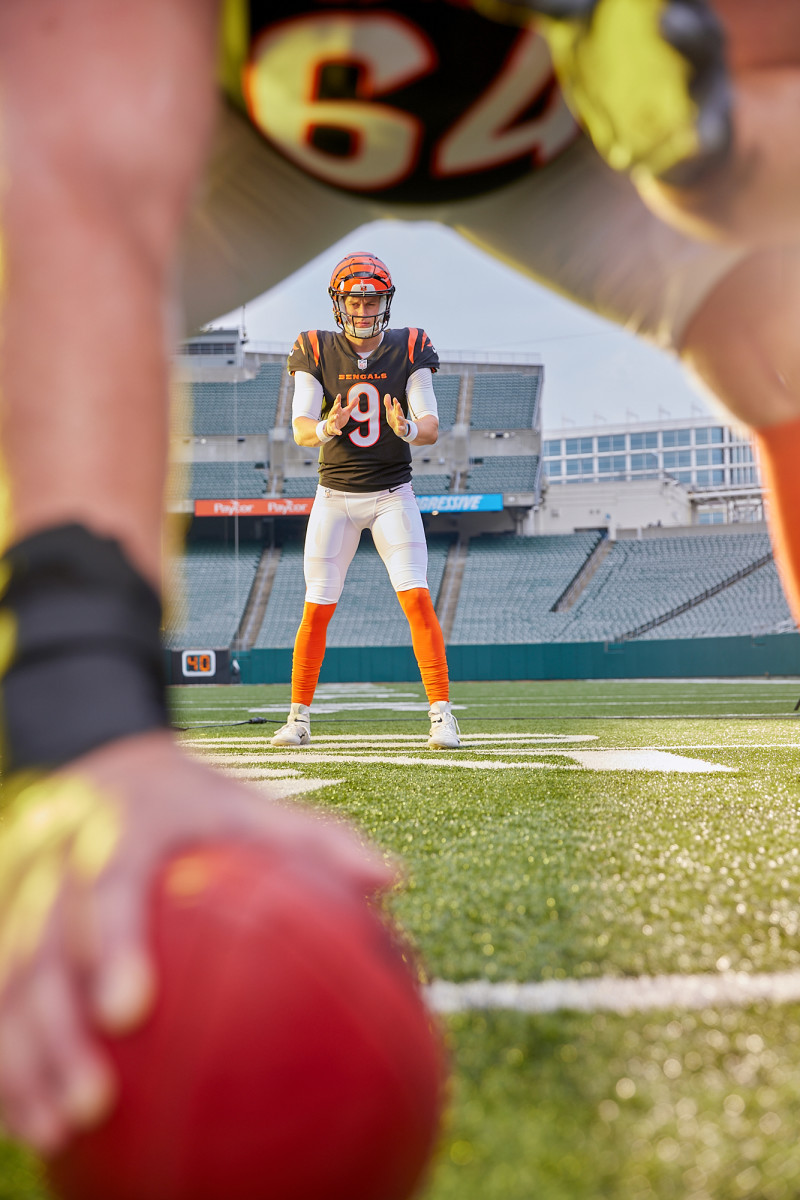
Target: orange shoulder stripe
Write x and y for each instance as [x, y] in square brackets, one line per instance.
[314, 340]
[412, 341]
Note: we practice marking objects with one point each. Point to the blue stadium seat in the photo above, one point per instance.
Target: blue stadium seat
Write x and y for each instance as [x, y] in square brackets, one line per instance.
[300, 485]
[246, 407]
[645, 578]
[226, 480]
[208, 589]
[511, 583]
[506, 473]
[431, 485]
[447, 388]
[505, 400]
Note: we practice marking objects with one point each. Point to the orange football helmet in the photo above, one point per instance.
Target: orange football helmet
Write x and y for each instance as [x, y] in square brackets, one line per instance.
[361, 275]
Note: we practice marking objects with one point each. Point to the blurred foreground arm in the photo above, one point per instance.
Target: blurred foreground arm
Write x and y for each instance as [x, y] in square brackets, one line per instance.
[106, 110]
[697, 101]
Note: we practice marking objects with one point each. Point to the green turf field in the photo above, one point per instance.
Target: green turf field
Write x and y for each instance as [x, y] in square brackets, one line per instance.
[631, 853]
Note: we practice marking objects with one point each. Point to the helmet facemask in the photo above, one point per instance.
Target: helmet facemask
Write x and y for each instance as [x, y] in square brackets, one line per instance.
[347, 321]
[361, 275]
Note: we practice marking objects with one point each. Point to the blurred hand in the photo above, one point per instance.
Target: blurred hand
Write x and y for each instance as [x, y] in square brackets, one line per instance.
[647, 79]
[395, 415]
[78, 851]
[339, 416]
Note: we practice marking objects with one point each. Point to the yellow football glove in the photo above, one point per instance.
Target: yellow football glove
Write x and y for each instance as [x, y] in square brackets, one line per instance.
[646, 78]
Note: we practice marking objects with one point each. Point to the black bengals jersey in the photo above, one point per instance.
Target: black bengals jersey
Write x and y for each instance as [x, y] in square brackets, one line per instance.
[420, 101]
[369, 456]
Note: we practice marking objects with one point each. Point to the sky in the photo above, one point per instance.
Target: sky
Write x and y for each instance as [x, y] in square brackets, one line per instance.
[469, 302]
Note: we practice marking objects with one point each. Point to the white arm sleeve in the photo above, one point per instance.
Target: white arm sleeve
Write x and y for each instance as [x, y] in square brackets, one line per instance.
[420, 394]
[307, 399]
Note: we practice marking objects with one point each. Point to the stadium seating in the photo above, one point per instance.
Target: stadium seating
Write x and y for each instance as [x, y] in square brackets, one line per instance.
[300, 485]
[506, 473]
[643, 579]
[208, 589]
[507, 593]
[226, 480]
[431, 485]
[638, 581]
[447, 388]
[505, 400]
[752, 606]
[285, 606]
[510, 584]
[246, 407]
[424, 485]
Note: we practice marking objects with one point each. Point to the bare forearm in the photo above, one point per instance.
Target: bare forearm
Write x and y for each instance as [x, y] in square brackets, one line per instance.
[91, 217]
[427, 431]
[752, 197]
[305, 431]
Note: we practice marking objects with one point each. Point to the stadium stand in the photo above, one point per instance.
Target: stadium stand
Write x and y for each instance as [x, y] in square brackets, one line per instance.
[447, 388]
[368, 613]
[506, 473]
[752, 606]
[638, 581]
[509, 587]
[643, 579]
[431, 485]
[246, 407]
[285, 604]
[226, 480]
[208, 589]
[511, 583]
[300, 485]
[505, 400]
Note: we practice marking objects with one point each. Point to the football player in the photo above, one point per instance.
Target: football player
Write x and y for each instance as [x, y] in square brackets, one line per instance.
[334, 115]
[364, 395]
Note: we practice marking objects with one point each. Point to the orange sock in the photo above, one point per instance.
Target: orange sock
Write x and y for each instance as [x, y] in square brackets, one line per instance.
[309, 651]
[428, 643]
[779, 455]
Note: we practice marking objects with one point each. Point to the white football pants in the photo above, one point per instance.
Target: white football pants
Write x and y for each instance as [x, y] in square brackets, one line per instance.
[334, 530]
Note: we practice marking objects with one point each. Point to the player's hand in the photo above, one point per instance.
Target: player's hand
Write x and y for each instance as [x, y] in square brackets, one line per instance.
[395, 416]
[647, 78]
[77, 854]
[339, 416]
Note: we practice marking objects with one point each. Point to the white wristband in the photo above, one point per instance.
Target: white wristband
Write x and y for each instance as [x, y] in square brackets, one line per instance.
[411, 433]
[322, 433]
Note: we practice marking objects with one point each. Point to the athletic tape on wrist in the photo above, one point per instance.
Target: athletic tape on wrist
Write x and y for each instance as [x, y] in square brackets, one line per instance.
[80, 649]
[411, 433]
[322, 433]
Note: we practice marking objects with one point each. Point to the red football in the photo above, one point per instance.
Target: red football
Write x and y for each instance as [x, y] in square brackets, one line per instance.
[289, 1056]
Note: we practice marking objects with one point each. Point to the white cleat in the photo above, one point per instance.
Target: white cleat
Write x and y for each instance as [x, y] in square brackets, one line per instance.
[444, 727]
[297, 730]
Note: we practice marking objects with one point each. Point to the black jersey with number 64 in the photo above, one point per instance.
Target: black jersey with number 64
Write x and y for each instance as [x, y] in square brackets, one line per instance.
[414, 101]
[369, 456]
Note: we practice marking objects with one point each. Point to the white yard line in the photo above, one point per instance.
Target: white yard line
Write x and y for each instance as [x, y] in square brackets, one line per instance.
[568, 760]
[502, 743]
[729, 989]
[433, 758]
